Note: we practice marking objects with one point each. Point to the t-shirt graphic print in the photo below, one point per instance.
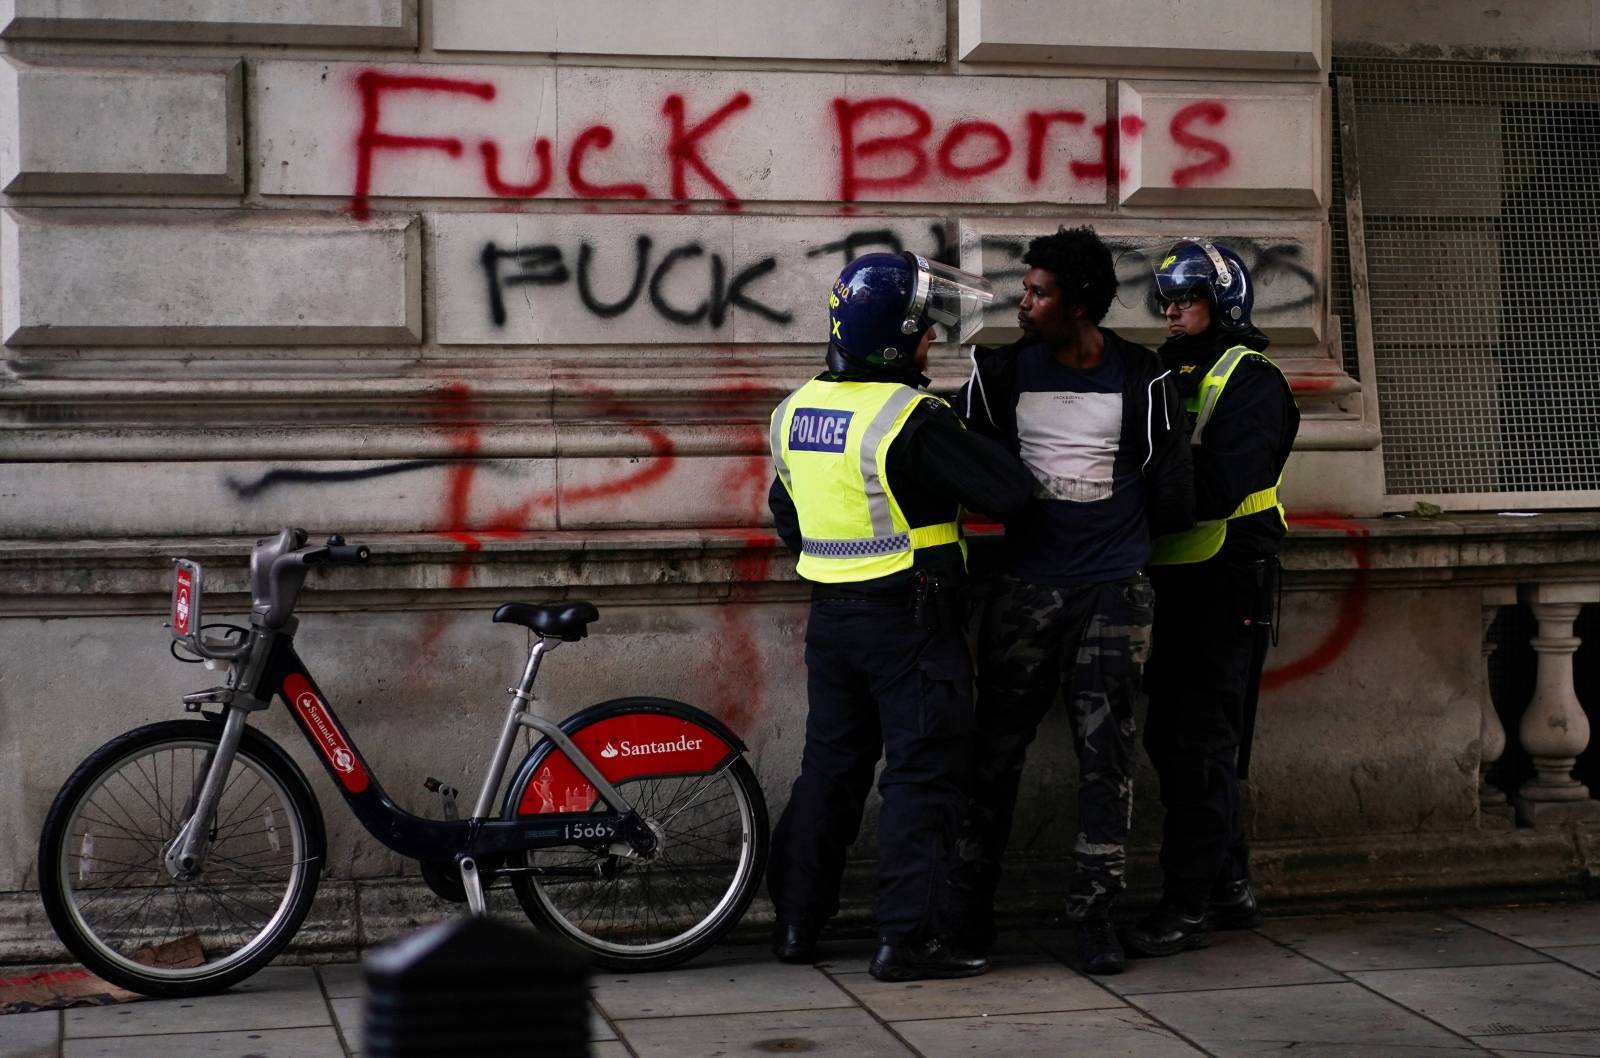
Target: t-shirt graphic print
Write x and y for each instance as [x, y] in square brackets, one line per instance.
[1069, 441]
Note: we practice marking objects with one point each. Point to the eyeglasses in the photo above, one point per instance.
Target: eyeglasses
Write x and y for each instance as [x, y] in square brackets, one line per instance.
[1183, 301]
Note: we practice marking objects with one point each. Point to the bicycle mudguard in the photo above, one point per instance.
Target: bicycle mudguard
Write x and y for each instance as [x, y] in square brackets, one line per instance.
[636, 739]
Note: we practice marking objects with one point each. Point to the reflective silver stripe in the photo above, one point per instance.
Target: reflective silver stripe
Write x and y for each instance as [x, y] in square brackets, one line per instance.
[1221, 370]
[877, 499]
[861, 548]
[775, 439]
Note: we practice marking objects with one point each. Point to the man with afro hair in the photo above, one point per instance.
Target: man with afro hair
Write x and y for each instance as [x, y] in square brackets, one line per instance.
[1098, 422]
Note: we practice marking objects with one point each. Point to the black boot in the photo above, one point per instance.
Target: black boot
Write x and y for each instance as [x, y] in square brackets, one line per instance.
[913, 961]
[1233, 906]
[1168, 930]
[794, 942]
[1099, 951]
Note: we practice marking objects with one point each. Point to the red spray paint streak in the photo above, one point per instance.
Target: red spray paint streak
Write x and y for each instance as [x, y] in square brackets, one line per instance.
[369, 140]
[683, 150]
[737, 679]
[1218, 157]
[1352, 607]
[453, 411]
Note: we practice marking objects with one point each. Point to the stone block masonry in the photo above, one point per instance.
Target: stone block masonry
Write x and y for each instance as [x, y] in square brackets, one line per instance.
[138, 277]
[1282, 35]
[372, 23]
[174, 129]
[898, 30]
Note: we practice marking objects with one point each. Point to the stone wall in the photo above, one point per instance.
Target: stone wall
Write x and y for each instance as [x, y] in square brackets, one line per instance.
[507, 290]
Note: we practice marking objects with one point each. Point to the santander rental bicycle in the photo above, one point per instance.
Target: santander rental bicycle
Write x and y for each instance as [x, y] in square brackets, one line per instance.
[181, 857]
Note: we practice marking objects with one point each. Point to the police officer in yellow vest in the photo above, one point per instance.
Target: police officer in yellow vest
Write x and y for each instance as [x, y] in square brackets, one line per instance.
[872, 474]
[1214, 588]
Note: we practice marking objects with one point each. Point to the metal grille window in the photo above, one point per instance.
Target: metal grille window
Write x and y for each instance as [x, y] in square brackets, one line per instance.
[1480, 186]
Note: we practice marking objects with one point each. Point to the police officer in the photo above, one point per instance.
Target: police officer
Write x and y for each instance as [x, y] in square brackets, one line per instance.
[872, 472]
[1214, 587]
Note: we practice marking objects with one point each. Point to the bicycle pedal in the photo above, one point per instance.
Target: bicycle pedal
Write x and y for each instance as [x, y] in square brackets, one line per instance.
[447, 797]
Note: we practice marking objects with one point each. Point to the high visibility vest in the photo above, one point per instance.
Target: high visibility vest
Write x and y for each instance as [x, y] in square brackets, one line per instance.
[1206, 538]
[830, 444]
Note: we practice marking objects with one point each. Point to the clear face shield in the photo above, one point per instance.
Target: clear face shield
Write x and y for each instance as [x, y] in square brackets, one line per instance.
[1179, 276]
[950, 299]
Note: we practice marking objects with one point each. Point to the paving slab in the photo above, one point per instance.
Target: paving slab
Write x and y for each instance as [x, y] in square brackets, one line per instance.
[1102, 1033]
[1235, 959]
[728, 981]
[1585, 1043]
[850, 1033]
[1321, 1019]
[348, 1014]
[1398, 941]
[1013, 989]
[1540, 925]
[609, 1049]
[320, 1042]
[1583, 956]
[343, 980]
[279, 997]
[30, 1035]
[1495, 1000]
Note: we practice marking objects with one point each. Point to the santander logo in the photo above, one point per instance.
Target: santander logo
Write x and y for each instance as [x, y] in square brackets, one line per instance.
[624, 748]
[182, 605]
[328, 737]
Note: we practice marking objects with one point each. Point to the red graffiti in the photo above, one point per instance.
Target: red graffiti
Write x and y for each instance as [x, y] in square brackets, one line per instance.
[370, 139]
[886, 146]
[907, 145]
[1039, 129]
[1218, 157]
[491, 170]
[598, 137]
[1352, 607]
[960, 132]
[454, 416]
[1097, 170]
[683, 150]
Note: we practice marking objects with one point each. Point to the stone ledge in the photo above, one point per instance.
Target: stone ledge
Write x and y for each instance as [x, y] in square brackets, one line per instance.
[1321, 550]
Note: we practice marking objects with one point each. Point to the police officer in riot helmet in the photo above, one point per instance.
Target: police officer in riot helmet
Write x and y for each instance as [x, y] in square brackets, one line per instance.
[872, 474]
[1215, 585]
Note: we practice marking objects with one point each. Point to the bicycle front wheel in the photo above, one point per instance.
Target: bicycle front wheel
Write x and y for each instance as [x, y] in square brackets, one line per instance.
[107, 890]
[710, 823]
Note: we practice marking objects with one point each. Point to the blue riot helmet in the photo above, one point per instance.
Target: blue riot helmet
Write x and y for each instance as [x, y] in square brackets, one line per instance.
[1197, 266]
[882, 303]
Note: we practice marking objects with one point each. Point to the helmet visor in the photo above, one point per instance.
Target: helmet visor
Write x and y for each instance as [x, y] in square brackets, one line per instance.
[949, 299]
[1189, 268]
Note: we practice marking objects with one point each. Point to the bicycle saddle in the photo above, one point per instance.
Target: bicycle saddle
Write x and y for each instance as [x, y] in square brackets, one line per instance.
[568, 620]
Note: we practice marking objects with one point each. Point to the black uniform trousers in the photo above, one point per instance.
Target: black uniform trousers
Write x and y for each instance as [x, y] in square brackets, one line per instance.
[878, 685]
[1206, 656]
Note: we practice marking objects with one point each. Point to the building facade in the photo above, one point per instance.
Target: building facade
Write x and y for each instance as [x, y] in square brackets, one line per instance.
[506, 289]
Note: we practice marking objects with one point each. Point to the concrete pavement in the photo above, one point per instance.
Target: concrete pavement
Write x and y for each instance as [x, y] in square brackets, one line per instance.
[1516, 980]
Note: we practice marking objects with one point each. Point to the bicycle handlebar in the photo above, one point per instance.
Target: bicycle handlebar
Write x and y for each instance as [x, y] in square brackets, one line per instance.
[275, 589]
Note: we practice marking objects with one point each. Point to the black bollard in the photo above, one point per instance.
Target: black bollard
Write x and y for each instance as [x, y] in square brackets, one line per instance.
[479, 987]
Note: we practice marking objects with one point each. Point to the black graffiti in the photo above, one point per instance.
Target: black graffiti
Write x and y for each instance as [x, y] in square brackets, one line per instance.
[545, 265]
[536, 266]
[246, 490]
[853, 244]
[1273, 266]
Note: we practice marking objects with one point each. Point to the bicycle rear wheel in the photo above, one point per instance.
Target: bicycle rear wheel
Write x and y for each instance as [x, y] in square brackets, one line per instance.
[109, 895]
[708, 815]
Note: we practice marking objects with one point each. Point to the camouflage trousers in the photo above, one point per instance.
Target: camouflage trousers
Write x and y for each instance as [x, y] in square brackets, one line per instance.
[1090, 642]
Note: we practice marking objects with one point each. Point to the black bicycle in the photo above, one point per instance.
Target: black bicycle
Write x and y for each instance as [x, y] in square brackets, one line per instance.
[181, 857]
